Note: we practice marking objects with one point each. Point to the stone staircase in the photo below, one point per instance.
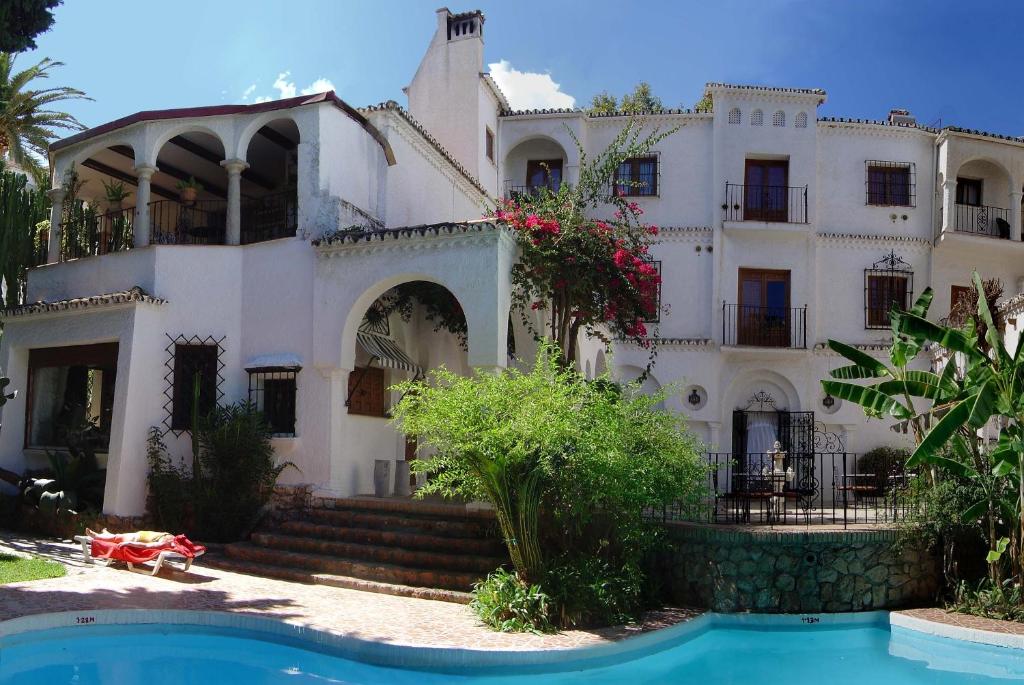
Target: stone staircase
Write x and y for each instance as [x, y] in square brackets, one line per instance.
[393, 546]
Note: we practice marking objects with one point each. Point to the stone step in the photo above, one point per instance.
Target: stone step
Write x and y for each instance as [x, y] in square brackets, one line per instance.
[346, 582]
[411, 523]
[361, 569]
[438, 559]
[487, 546]
[413, 507]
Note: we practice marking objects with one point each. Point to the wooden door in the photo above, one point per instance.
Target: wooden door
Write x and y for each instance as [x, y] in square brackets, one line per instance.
[766, 195]
[763, 313]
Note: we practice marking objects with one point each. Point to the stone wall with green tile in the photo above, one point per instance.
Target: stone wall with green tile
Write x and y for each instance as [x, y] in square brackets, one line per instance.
[797, 571]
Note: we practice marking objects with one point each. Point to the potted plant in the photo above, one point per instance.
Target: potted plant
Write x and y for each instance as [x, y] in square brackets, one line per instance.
[116, 193]
[189, 189]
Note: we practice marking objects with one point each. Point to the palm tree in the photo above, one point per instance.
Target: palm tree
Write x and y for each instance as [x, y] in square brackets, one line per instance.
[26, 125]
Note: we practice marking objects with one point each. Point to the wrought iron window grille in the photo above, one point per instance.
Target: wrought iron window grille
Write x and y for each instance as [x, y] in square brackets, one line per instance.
[174, 343]
[273, 391]
[890, 184]
[889, 282]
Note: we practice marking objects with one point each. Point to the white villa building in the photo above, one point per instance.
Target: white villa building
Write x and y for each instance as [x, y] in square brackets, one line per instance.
[779, 230]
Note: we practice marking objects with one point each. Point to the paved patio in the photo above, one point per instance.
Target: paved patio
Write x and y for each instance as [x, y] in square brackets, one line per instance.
[381, 618]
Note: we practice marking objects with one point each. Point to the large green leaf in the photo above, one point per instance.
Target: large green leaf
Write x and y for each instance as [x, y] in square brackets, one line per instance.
[855, 371]
[982, 404]
[940, 433]
[950, 338]
[975, 511]
[859, 358]
[872, 400]
[912, 388]
[953, 466]
[992, 335]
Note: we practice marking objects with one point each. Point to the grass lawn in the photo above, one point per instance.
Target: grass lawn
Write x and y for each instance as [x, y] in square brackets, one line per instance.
[16, 569]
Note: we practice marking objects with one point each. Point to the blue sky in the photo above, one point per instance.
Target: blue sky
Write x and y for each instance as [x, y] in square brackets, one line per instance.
[951, 61]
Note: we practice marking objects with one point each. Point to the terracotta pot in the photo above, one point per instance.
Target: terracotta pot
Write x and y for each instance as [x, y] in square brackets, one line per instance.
[114, 206]
[189, 194]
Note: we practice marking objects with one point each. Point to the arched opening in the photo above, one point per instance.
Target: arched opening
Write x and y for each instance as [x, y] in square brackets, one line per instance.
[270, 183]
[410, 329]
[982, 199]
[630, 374]
[534, 164]
[190, 191]
[98, 209]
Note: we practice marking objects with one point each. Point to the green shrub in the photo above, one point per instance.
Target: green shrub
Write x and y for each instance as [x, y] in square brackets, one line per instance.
[1004, 602]
[506, 603]
[224, 494]
[587, 591]
[570, 466]
[883, 462]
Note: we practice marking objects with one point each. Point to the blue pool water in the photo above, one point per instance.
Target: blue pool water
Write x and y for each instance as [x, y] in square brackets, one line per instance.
[730, 654]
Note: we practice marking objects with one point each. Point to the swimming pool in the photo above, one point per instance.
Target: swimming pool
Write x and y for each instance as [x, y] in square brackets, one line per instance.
[710, 650]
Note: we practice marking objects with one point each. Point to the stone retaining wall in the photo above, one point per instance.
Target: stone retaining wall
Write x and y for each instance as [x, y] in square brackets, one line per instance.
[800, 571]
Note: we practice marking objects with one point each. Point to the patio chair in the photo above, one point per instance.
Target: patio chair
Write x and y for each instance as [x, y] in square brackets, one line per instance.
[106, 552]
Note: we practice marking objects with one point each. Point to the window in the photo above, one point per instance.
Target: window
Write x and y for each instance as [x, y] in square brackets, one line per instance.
[765, 192]
[544, 173]
[890, 184]
[968, 191]
[489, 143]
[71, 390]
[637, 176]
[884, 291]
[779, 118]
[193, 365]
[734, 115]
[763, 316]
[366, 392]
[756, 118]
[272, 391]
[801, 120]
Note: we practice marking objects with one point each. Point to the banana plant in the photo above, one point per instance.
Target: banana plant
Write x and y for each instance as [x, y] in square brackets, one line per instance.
[974, 386]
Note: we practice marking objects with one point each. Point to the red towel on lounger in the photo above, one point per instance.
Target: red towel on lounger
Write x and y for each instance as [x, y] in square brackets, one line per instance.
[138, 553]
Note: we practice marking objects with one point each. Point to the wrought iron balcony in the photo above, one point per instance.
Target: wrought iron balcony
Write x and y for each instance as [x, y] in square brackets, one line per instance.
[757, 326]
[776, 204]
[515, 192]
[86, 234]
[993, 222]
[269, 217]
[196, 223]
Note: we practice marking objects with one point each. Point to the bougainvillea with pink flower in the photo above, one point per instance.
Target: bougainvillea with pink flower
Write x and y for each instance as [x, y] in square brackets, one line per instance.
[585, 263]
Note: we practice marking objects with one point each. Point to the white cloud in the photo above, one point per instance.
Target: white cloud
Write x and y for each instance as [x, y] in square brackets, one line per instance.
[529, 90]
[287, 89]
[321, 85]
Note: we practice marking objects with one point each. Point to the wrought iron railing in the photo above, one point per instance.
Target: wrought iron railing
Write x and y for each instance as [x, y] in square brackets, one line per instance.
[85, 233]
[993, 222]
[780, 204]
[516, 192]
[196, 223]
[814, 488]
[269, 217]
[758, 326]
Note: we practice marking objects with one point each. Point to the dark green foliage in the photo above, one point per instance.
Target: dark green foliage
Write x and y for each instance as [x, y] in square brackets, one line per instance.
[884, 463]
[505, 602]
[21, 211]
[1004, 602]
[222, 496]
[22, 20]
[588, 591]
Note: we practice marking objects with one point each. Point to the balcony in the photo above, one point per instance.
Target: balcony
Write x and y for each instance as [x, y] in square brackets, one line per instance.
[763, 203]
[86, 233]
[983, 220]
[758, 326]
[517, 192]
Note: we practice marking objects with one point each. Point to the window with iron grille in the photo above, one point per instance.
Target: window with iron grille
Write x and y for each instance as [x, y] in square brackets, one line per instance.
[888, 283]
[193, 365]
[272, 391]
[656, 314]
[890, 184]
[638, 177]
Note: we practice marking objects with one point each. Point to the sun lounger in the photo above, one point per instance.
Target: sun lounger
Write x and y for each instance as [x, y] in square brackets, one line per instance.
[106, 552]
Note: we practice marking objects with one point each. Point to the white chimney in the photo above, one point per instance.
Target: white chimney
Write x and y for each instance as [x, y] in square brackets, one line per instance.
[902, 117]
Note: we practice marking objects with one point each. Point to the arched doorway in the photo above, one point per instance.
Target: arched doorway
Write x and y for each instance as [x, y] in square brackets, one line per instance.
[269, 186]
[189, 170]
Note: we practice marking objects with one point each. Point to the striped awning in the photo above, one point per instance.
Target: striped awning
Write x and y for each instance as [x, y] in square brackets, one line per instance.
[386, 352]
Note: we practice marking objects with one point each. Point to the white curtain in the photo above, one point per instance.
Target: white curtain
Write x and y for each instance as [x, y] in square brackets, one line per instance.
[761, 437]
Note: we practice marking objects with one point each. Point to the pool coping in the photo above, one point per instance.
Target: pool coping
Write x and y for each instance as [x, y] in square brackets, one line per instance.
[444, 659]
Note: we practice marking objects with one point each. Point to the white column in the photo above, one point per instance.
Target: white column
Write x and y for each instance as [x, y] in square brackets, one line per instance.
[140, 230]
[234, 167]
[1015, 215]
[56, 209]
[949, 205]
